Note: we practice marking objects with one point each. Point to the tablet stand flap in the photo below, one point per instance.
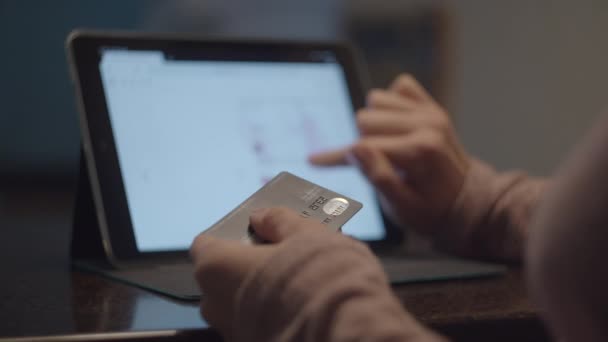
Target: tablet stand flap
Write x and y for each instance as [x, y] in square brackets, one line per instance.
[87, 252]
[86, 236]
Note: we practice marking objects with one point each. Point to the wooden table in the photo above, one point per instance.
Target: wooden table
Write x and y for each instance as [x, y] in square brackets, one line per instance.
[40, 297]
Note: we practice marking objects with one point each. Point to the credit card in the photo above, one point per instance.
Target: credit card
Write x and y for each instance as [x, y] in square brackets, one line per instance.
[287, 190]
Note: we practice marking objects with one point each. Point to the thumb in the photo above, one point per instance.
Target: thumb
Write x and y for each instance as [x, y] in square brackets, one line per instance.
[278, 224]
[406, 85]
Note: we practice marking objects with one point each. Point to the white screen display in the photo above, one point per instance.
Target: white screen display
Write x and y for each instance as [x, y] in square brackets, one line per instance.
[196, 138]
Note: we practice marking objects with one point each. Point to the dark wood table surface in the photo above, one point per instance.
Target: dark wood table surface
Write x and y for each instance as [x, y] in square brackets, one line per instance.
[42, 298]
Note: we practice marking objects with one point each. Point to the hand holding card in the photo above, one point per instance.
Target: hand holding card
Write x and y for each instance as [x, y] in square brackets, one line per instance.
[287, 190]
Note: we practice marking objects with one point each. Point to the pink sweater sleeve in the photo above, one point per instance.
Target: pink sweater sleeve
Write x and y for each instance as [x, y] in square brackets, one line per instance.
[491, 215]
[567, 250]
[322, 287]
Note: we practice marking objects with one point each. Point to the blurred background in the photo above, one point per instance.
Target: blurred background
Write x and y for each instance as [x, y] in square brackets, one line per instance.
[523, 79]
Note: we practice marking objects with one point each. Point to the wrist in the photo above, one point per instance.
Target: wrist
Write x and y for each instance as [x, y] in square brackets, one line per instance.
[470, 208]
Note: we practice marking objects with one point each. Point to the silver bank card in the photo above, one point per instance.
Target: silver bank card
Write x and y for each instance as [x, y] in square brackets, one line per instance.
[287, 190]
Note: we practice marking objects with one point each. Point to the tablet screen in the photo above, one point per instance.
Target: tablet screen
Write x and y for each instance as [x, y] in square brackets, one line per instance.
[197, 137]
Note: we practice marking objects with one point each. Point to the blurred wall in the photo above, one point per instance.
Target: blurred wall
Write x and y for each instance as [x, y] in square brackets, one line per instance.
[38, 122]
[529, 78]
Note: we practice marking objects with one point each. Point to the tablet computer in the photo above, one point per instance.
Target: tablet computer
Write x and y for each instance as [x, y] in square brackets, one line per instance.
[178, 130]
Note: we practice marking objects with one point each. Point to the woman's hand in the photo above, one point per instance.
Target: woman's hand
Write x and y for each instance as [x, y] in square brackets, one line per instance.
[289, 289]
[409, 151]
[222, 265]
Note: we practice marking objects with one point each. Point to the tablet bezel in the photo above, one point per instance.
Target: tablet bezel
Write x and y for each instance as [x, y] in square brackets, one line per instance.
[83, 48]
